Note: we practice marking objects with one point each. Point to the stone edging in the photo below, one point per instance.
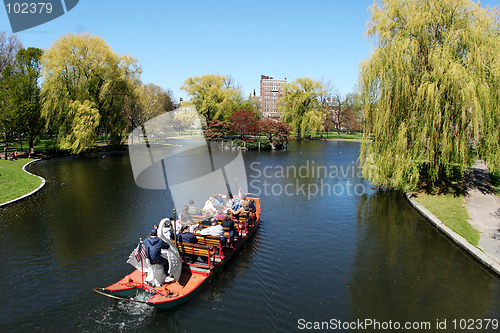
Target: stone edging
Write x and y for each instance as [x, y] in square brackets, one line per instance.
[476, 253]
[32, 192]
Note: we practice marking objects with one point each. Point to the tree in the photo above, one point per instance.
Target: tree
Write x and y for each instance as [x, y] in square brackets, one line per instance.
[431, 91]
[145, 102]
[277, 132]
[353, 104]
[185, 119]
[214, 96]
[216, 129]
[339, 113]
[9, 46]
[21, 115]
[244, 120]
[85, 85]
[301, 106]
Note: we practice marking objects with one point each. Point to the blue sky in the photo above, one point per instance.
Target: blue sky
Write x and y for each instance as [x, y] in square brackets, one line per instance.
[174, 40]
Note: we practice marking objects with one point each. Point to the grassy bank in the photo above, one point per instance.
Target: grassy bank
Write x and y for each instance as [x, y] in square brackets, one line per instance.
[344, 136]
[450, 210]
[14, 182]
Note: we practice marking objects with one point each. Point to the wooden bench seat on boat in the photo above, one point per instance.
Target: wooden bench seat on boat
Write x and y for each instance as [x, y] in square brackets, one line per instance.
[211, 241]
[189, 251]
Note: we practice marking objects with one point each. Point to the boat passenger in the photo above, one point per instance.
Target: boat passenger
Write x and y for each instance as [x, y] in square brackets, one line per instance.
[153, 246]
[242, 210]
[228, 223]
[209, 205]
[218, 201]
[206, 221]
[251, 205]
[186, 237]
[214, 230]
[236, 203]
[185, 215]
[220, 214]
[193, 210]
[228, 202]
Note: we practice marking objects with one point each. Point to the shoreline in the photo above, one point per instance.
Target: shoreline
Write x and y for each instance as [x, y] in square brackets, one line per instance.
[476, 253]
[15, 200]
[342, 139]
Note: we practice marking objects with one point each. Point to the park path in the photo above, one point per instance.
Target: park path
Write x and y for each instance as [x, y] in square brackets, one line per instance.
[483, 206]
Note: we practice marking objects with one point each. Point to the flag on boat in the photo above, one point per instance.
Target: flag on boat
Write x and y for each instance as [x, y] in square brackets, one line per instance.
[140, 252]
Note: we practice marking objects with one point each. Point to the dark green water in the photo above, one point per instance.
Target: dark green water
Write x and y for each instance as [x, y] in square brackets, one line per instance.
[329, 248]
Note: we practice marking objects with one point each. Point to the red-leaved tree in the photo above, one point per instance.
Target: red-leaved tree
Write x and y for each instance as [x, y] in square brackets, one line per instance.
[216, 129]
[278, 132]
[244, 121]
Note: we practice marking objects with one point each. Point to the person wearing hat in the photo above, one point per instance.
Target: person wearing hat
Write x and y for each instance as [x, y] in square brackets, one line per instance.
[153, 246]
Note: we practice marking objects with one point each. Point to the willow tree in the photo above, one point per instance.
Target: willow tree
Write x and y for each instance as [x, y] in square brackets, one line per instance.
[214, 96]
[431, 90]
[301, 106]
[84, 87]
[145, 102]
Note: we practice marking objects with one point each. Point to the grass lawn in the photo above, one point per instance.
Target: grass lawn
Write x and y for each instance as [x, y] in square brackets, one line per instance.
[14, 182]
[358, 136]
[345, 136]
[41, 145]
[450, 210]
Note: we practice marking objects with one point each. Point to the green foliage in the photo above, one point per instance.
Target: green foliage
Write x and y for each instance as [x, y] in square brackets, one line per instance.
[353, 106]
[301, 106]
[495, 181]
[254, 145]
[85, 121]
[214, 96]
[20, 110]
[431, 90]
[84, 88]
[144, 102]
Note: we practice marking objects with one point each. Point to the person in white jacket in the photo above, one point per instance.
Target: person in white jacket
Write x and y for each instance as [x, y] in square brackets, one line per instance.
[214, 230]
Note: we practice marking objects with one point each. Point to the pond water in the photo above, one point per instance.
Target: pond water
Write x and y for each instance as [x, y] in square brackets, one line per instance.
[329, 249]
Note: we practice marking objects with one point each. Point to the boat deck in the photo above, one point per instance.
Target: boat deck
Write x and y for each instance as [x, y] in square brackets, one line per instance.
[193, 276]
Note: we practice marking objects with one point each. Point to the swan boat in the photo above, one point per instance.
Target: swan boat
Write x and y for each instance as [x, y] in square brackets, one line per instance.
[162, 157]
[193, 274]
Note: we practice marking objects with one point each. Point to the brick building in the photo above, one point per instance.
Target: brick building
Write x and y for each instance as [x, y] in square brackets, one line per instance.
[270, 91]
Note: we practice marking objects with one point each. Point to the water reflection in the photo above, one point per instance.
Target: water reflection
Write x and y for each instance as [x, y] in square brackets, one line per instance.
[403, 271]
[317, 258]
